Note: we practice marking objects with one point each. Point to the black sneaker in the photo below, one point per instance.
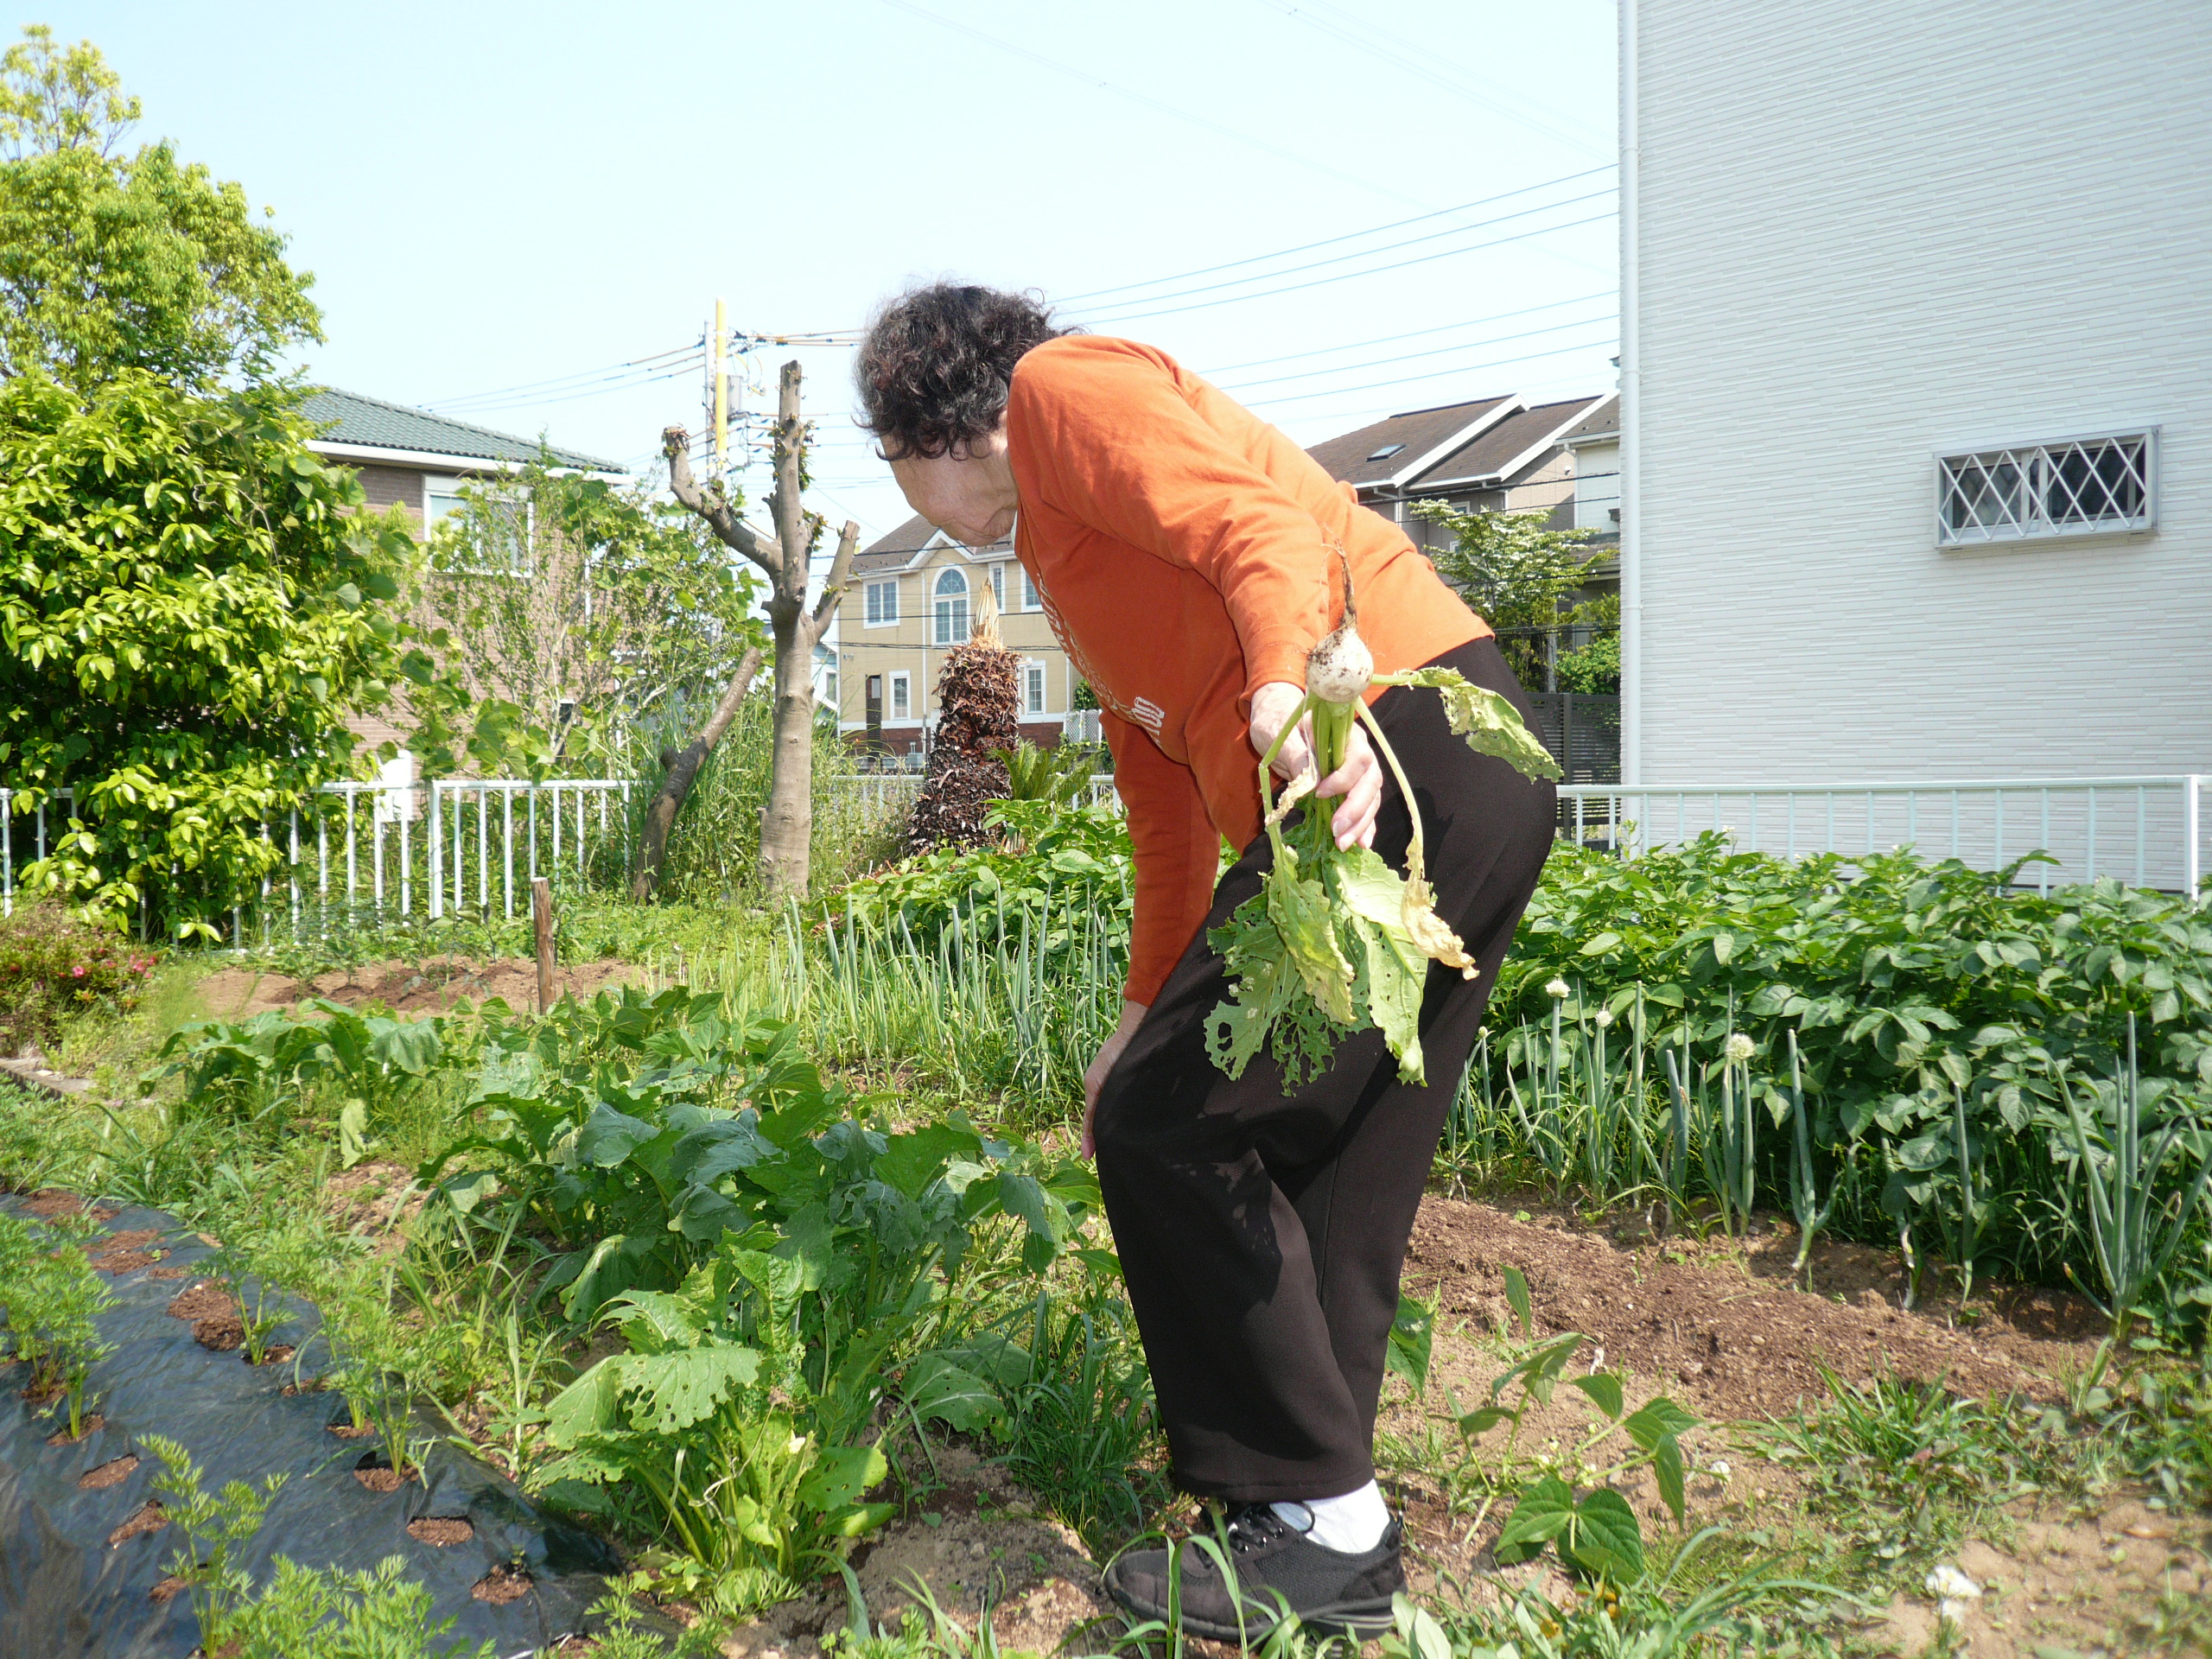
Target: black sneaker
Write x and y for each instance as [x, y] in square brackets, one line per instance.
[1275, 1566]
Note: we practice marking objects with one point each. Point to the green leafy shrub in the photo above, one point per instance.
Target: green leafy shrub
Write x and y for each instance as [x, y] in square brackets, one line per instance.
[632, 1132]
[1051, 863]
[1933, 1009]
[264, 1068]
[54, 965]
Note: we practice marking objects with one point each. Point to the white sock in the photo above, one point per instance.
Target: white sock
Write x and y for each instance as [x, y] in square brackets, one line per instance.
[1353, 1523]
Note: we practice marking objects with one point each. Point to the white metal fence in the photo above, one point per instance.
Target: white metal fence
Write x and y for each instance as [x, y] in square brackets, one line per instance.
[473, 845]
[429, 849]
[2147, 831]
[889, 794]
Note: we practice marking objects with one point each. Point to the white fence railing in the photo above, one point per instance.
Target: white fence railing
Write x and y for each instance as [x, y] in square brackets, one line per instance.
[457, 845]
[2147, 831]
[889, 793]
[397, 850]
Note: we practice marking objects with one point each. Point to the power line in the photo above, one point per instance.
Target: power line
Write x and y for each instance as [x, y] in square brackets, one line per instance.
[1411, 357]
[1416, 333]
[1387, 247]
[560, 380]
[1341, 276]
[1437, 374]
[1330, 20]
[1154, 104]
[1348, 236]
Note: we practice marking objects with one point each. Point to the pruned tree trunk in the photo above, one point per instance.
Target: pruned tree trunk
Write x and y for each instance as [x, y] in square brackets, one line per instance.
[680, 769]
[787, 825]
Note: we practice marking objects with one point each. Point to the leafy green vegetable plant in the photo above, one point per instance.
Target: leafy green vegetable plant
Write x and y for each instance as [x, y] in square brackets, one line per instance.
[1336, 941]
[2135, 1233]
[212, 1525]
[53, 1299]
[1594, 1530]
[336, 1614]
[634, 1132]
[690, 1416]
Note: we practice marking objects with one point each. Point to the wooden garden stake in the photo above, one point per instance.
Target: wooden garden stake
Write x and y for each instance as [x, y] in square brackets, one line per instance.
[540, 913]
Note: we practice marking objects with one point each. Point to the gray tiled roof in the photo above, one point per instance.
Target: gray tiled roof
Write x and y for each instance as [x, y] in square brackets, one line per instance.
[349, 417]
[1501, 445]
[1419, 430]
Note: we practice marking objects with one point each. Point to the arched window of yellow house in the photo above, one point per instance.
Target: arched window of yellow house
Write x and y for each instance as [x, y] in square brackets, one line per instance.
[951, 595]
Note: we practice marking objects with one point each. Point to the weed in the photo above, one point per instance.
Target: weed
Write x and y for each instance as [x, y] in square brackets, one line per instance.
[1081, 1428]
[1906, 1467]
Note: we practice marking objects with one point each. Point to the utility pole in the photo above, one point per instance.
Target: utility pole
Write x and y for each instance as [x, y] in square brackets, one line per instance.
[721, 390]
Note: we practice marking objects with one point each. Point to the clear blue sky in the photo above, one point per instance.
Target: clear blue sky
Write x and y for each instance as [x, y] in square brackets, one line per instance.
[491, 195]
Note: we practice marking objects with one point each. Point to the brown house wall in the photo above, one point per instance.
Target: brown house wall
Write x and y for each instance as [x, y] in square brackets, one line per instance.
[385, 486]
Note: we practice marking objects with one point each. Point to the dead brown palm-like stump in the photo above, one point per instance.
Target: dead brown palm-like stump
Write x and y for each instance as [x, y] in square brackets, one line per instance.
[978, 699]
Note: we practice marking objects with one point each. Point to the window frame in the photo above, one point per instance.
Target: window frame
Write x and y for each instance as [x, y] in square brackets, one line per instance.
[900, 705]
[2032, 461]
[1043, 704]
[872, 615]
[523, 563]
[943, 631]
[1032, 598]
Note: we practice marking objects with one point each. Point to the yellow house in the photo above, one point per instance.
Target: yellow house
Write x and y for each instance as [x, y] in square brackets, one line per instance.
[912, 596]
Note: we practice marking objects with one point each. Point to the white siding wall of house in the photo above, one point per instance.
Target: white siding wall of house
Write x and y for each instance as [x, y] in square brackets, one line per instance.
[1874, 231]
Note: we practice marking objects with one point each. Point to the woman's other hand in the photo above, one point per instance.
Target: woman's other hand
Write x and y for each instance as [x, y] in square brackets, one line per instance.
[1094, 1078]
[1359, 780]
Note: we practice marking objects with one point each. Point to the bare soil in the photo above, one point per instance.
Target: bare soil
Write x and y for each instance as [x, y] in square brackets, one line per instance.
[113, 1473]
[434, 986]
[501, 1585]
[376, 1472]
[49, 1202]
[148, 1517]
[205, 1300]
[443, 1530]
[374, 1199]
[1719, 1325]
[126, 1251]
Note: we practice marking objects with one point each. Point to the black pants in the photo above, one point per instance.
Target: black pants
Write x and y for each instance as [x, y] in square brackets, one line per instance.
[1262, 1234]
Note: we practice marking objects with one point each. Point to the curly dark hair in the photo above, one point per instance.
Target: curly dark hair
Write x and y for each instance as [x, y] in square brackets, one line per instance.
[935, 362]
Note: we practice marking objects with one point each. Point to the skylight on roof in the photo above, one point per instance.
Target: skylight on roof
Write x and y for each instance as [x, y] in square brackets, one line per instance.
[1386, 452]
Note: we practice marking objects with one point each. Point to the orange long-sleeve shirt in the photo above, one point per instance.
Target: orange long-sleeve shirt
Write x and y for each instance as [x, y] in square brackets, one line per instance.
[1182, 547]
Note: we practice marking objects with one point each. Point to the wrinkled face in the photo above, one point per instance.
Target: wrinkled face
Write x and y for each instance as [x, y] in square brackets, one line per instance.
[969, 493]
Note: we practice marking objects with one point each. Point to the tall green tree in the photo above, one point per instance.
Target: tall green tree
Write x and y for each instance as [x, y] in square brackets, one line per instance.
[111, 262]
[1515, 571]
[190, 604]
[599, 611]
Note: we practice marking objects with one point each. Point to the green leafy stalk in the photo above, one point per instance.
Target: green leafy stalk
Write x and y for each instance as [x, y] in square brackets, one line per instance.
[1336, 941]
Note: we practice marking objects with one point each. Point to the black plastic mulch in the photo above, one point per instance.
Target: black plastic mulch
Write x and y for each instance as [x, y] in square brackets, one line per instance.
[67, 1593]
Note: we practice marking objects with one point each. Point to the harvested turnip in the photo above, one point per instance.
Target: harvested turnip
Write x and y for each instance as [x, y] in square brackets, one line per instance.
[1336, 940]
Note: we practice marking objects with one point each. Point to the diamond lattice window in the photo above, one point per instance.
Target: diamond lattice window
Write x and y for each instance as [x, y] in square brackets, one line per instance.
[2079, 487]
